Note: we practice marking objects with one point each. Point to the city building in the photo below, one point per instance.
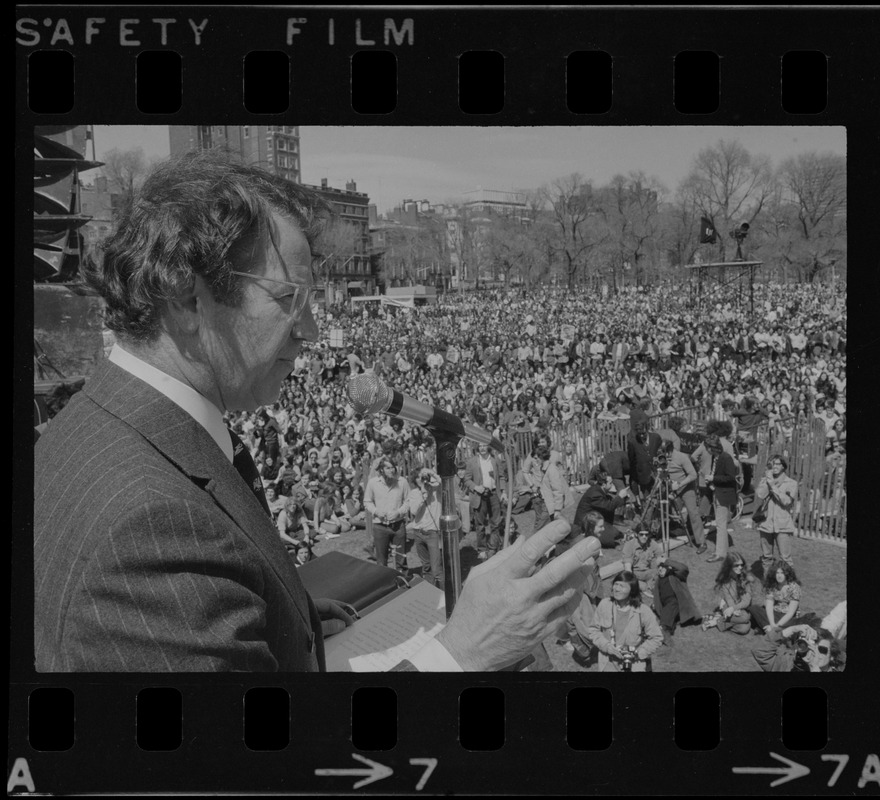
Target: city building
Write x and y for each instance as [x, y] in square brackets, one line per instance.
[274, 147]
[505, 203]
[410, 245]
[345, 266]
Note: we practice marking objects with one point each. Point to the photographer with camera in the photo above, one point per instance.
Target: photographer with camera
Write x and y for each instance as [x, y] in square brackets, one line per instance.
[624, 629]
[425, 509]
[779, 492]
[799, 648]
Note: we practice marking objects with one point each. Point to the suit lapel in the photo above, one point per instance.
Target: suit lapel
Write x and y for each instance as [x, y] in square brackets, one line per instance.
[187, 445]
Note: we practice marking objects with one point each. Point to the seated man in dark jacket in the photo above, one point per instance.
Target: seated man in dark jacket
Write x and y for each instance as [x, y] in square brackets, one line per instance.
[616, 464]
[605, 498]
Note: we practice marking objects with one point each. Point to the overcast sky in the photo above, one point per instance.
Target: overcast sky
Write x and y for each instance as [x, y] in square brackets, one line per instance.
[439, 163]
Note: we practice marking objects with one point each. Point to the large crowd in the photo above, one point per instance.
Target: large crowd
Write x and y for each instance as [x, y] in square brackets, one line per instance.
[543, 359]
[533, 362]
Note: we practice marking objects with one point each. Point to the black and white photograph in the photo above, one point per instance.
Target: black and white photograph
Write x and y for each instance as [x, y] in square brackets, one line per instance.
[440, 398]
[443, 400]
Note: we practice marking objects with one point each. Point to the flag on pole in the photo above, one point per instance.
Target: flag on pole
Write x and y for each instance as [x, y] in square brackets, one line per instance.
[708, 234]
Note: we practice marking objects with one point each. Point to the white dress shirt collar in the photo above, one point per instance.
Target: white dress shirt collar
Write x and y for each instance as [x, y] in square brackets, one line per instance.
[196, 405]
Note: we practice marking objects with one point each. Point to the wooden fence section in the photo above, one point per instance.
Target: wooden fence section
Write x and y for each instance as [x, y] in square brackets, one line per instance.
[821, 509]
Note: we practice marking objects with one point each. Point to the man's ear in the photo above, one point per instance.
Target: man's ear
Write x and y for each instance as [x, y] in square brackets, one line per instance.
[186, 310]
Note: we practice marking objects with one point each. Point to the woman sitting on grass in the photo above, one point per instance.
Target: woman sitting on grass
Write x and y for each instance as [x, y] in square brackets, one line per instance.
[733, 589]
[324, 518]
[353, 508]
[782, 591]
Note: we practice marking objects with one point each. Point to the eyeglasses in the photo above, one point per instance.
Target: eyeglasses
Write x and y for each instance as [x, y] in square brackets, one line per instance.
[824, 649]
[303, 294]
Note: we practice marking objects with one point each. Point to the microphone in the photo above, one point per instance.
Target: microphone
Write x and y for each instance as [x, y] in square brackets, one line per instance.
[368, 394]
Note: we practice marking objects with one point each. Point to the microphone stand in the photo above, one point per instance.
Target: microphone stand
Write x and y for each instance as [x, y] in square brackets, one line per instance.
[450, 525]
[450, 522]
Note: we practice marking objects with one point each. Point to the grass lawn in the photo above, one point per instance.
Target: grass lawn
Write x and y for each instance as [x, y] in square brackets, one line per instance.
[820, 567]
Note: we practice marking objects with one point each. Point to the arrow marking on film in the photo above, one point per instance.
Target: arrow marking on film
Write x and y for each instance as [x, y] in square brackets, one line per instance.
[789, 772]
[375, 772]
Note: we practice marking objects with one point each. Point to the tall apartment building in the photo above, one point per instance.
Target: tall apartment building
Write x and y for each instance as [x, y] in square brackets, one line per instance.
[274, 147]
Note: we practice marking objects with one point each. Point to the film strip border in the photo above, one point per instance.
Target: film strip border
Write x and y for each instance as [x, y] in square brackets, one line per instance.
[373, 89]
[602, 66]
[635, 66]
[445, 736]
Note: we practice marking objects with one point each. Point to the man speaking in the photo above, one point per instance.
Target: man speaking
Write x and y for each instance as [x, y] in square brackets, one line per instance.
[153, 548]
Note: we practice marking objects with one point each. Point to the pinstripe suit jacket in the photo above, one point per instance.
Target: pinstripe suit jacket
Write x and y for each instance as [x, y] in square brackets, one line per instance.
[150, 552]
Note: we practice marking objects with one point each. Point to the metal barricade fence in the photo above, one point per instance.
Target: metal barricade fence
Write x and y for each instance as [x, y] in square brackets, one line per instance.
[821, 507]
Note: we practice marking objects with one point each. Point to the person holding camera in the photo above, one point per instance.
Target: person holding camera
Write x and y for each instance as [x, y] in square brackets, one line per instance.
[779, 491]
[624, 629]
[799, 648]
[425, 510]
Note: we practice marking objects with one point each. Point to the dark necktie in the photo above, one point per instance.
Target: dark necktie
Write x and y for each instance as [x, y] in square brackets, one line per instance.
[242, 461]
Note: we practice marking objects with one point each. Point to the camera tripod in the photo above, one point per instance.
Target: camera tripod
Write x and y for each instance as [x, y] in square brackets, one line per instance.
[658, 497]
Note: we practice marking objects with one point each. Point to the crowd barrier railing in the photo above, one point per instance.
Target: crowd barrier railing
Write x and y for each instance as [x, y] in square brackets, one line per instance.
[821, 509]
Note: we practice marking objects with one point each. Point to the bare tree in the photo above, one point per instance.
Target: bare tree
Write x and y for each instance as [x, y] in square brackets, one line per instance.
[541, 232]
[336, 247]
[814, 191]
[125, 170]
[511, 247]
[778, 234]
[679, 230]
[630, 206]
[729, 186]
[576, 214]
[415, 252]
